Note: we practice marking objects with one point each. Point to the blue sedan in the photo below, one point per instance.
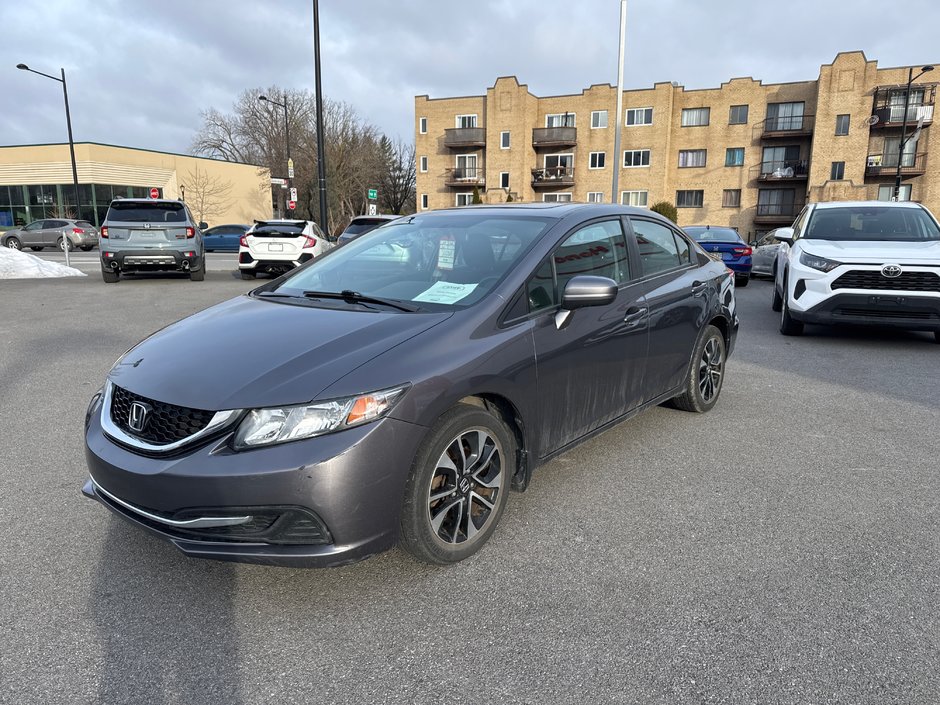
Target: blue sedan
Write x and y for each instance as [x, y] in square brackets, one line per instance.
[734, 251]
[224, 238]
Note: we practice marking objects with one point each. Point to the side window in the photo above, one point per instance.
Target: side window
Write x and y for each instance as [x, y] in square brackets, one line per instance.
[540, 289]
[659, 251]
[799, 223]
[36, 225]
[685, 256]
[599, 249]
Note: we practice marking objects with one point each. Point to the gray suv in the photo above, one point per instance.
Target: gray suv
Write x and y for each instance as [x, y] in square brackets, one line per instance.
[143, 235]
[52, 232]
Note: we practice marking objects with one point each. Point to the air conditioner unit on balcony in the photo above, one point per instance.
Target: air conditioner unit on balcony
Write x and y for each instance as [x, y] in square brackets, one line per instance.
[874, 160]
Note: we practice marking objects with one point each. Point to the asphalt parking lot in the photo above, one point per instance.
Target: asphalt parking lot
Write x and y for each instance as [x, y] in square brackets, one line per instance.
[784, 548]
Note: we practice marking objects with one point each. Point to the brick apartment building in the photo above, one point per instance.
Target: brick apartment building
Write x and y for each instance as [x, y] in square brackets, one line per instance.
[748, 155]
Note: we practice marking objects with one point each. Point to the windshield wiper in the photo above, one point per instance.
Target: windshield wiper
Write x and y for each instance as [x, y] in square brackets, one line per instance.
[354, 297]
[277, 294]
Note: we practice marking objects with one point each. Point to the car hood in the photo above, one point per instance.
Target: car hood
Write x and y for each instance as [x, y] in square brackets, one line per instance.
[874, 252]
[248, 353]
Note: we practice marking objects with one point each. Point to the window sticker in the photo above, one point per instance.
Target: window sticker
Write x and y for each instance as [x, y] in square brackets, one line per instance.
[445, 253]
[445, 293]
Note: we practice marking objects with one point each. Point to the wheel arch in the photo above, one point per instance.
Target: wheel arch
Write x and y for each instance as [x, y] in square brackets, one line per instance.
[509, 414]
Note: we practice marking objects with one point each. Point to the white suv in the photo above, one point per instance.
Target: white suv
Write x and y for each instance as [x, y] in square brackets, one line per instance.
[277, 246]
[868, 262]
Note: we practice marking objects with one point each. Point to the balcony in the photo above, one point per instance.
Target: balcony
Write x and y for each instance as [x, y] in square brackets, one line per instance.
[554, 137]
[552, 176]
[777, 212]
[887, 164]
[465, 176]
[784, 170]
[888, 106]
[790, 126]
[462, 137]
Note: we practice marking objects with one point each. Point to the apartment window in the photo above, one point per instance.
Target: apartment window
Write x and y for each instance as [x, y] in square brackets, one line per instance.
[837, 172]
[784, 116]
[559, 120]
[777, 201]
[504, 179]
[695, 117]
[424, 201]
[423, 125]
[557, 198]
[466, 121]
[842, 124]
[636, 157]
[738, 115]
[731, 198]
[598, 160]
[424, 164]
[595, 196]
[464, 199]
[690, 199]
[638, 116]
[634, 198]
[598, 119]
[734, 156]
[504, 140]
[691, 158]
[886, 193]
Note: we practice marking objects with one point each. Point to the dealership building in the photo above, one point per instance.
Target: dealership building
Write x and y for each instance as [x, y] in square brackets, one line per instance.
[36, 182]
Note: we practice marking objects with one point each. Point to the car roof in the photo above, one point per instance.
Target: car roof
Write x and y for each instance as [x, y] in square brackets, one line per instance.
[146, 200]
[378, 216]
[867, 204]
[552, 209]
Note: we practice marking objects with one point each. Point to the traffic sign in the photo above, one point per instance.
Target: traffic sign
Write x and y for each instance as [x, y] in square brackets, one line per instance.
[373, 194]
[291, 205]
[293, 194]
[372, 209]
[278, 182]
[290, 168]
[154, 193]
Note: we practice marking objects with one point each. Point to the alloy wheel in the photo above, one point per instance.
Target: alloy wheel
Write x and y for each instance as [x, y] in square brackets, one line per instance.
[465, 487]
[710, 370]
[13, 244]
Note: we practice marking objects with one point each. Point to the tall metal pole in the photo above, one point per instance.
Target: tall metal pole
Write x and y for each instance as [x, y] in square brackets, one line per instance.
[290, 181]
[321, 157]
[615, 184]
[907, 102]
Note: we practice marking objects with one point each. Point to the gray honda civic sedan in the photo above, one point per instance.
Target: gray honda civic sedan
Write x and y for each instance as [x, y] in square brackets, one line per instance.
[397, 388]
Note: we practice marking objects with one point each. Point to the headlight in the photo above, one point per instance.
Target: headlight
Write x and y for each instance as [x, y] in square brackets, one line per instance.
[93, 405]
[820, 263]
[263, 427]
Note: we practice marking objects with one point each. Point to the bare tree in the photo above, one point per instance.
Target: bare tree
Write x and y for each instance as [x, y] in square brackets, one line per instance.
[207, 196]
[396, 176]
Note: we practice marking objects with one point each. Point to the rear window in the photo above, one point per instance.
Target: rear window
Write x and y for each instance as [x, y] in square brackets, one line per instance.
[714, 234]
[871, 223]
[364, 225]
[84, 224]
[278, 229]
[143, 212]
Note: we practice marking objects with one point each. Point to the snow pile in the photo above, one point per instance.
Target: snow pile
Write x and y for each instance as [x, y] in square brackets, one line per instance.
[19, 265]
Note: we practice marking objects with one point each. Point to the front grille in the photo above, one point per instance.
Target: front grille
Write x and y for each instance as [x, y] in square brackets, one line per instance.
[164, 424]
[908, 281]
[886, 313]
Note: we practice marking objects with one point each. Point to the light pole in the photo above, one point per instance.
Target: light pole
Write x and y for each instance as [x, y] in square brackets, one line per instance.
[321, 157]
[265, 99]
[68, 120]
[907, 103]
[618, 158]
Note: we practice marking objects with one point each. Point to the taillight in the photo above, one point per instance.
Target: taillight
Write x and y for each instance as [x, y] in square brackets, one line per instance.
[742, 251]
[190, 232]
[311, 242]
[78, 231]
[243, 241]
[104, 231]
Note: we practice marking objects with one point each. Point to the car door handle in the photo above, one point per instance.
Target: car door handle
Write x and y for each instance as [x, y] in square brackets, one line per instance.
[699, 288]
[635, 315]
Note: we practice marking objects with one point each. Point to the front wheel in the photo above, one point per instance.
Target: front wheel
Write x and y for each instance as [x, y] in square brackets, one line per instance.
[14, 243]
[741, 282]
[788, 324]
[706, 373]
[777, 303]
[458, 487]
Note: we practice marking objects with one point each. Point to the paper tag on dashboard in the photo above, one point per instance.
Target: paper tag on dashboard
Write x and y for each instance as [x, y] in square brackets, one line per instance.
[445, 252]
[445, 293]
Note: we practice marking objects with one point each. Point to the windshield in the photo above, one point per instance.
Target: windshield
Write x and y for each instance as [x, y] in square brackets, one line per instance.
[435, 260]
[714, 234]
[872, 223]
[143, 212]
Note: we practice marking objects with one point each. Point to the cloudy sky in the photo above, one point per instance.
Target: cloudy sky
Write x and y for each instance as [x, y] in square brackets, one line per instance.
[140, 72]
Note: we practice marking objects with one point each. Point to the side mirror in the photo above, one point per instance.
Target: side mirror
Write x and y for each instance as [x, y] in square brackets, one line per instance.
[203, 225]
[784, 235]
[582, 291]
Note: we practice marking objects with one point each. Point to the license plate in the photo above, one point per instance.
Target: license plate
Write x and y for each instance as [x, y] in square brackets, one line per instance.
[275, 247]
[727, 255]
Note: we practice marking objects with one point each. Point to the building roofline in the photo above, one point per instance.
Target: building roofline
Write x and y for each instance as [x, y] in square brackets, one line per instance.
[133, 149]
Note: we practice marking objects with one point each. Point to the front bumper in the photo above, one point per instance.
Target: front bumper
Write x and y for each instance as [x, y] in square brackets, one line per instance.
[152, 260]
[880, 308]
[351, 483]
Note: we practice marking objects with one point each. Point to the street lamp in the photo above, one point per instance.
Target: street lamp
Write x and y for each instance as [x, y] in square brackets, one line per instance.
[68, 120]
[265, 99]
[907, 102]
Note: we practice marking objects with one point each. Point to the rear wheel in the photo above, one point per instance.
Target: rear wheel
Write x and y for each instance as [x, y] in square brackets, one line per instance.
[458, 487]
[936, 336]
[110, 276]
[741, 281]
[706, 373]
[36, 249]
[197, 275]
[245, 274]
[14, 243]
[788, 324]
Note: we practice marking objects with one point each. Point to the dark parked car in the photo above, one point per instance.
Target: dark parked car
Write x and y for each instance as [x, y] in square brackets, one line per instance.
[362, 224]
[52, 232]
[406, 394]
[223, 238]
[731, 247]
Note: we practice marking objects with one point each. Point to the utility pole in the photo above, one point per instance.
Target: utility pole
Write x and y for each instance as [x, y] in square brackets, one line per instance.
[615, 183]
[321, 157]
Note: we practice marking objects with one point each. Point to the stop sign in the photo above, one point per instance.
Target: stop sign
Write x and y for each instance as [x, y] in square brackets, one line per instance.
[291, 205]
[154, 193]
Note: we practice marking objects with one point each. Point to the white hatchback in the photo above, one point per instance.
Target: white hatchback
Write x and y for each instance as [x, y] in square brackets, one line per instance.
[277, 246]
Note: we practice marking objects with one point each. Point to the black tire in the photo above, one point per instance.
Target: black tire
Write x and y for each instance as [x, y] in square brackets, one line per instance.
[788, 325]
[87, 248]
[741, 282]
[197, 275]
[60, 244]
[706, 374]
[13, 243]
[110, 276]
[936, 336]
[777, 303]
[483, 488]
[246, 274]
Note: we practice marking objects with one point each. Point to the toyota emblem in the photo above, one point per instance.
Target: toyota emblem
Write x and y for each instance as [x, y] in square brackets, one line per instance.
[891, 271]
